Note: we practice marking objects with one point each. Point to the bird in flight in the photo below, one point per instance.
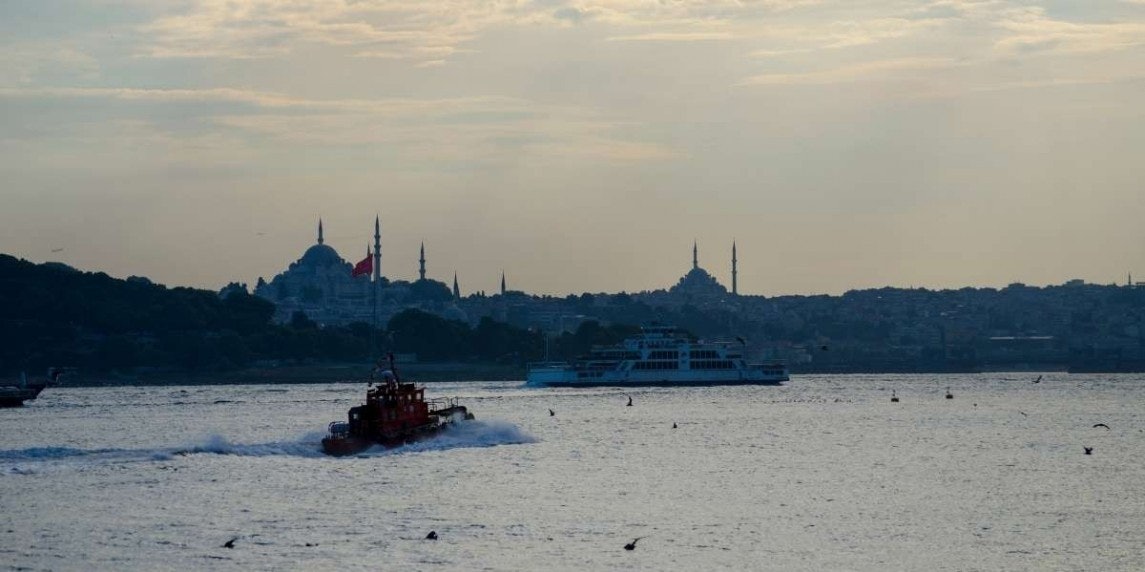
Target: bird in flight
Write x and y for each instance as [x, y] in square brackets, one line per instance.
[1038, 380]
[552, 413]
[1096, 425]
[57, 250]
[632, 545]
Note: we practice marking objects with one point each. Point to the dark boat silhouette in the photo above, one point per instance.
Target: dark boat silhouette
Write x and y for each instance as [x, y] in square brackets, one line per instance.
[14, 395]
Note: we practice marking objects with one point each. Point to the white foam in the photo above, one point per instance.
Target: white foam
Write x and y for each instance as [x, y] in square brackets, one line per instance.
[461, 435]
[465, 434]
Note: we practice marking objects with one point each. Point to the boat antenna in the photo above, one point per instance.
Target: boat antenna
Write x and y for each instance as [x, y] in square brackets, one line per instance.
[393, 368]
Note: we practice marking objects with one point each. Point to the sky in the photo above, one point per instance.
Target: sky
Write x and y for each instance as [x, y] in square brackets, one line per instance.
[580, 146]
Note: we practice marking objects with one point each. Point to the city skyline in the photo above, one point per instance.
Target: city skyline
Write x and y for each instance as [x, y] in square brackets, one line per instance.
[580, 146]
[500, 275]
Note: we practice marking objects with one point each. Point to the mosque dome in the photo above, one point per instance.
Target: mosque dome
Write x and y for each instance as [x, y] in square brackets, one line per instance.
[698, 281]
[321, 255]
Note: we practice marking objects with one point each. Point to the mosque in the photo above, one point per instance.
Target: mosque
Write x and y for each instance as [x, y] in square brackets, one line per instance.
[327, 289]
[332, 291]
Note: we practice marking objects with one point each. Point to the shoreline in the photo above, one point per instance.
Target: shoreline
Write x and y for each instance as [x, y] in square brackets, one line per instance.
[297, 374]
[435, 373]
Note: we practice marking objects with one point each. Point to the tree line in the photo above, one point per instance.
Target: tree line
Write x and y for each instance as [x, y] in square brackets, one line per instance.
[53, 315]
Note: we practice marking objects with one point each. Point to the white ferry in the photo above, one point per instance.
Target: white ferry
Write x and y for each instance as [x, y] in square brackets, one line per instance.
[660, 355]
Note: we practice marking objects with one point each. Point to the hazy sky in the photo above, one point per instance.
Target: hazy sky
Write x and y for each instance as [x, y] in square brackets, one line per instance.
[582, 145]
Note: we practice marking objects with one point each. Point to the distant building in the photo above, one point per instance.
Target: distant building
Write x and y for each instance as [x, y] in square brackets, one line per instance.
[319, 284]
[697, 288]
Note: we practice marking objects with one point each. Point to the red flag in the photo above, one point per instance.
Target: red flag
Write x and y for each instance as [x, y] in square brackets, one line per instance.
[363, 268]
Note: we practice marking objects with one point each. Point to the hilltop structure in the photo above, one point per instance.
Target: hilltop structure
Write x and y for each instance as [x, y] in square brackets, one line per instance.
[321, 284]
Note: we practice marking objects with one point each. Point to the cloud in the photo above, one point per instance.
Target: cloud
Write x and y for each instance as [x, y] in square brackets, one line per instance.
[28, 63]
[1030, 31]
[852, 73]
[457, 129]
[404, 30]
[673, 37]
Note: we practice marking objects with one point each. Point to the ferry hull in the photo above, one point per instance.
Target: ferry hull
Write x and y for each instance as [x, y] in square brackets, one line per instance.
[566, 377]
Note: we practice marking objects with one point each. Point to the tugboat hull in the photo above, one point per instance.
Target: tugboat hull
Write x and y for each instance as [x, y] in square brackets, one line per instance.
[345, 445]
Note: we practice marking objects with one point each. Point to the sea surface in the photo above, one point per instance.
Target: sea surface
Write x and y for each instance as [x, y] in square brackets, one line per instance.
[823, 473]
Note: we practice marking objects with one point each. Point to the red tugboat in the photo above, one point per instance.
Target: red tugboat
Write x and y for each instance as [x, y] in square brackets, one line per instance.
[394, 414]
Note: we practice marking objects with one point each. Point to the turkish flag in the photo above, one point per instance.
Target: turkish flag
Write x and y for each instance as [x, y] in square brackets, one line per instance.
[363, 268]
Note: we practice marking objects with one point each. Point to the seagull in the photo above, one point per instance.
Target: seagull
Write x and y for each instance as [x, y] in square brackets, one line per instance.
[894, 398]
[231, 543]
[1038, 380]
[552, 413]
[1096, 425]
[1088, 450]
[632, 545]
[432, 535]
[629, 401]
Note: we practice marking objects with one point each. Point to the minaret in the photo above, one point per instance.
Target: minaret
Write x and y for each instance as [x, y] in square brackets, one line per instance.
[695, 255]
[735, 290]
[456, 290]
[377, 283]
[502, 282]
[421, 263]
[377, 248]
[320, 241]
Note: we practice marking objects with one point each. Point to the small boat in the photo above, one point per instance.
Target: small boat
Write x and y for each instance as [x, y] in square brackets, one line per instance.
[394, 414]
[14, 395]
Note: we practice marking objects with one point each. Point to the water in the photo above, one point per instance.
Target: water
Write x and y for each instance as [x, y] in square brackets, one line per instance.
[824, 473]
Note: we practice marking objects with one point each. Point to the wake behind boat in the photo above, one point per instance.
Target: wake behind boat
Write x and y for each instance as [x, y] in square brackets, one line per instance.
[658, 356]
